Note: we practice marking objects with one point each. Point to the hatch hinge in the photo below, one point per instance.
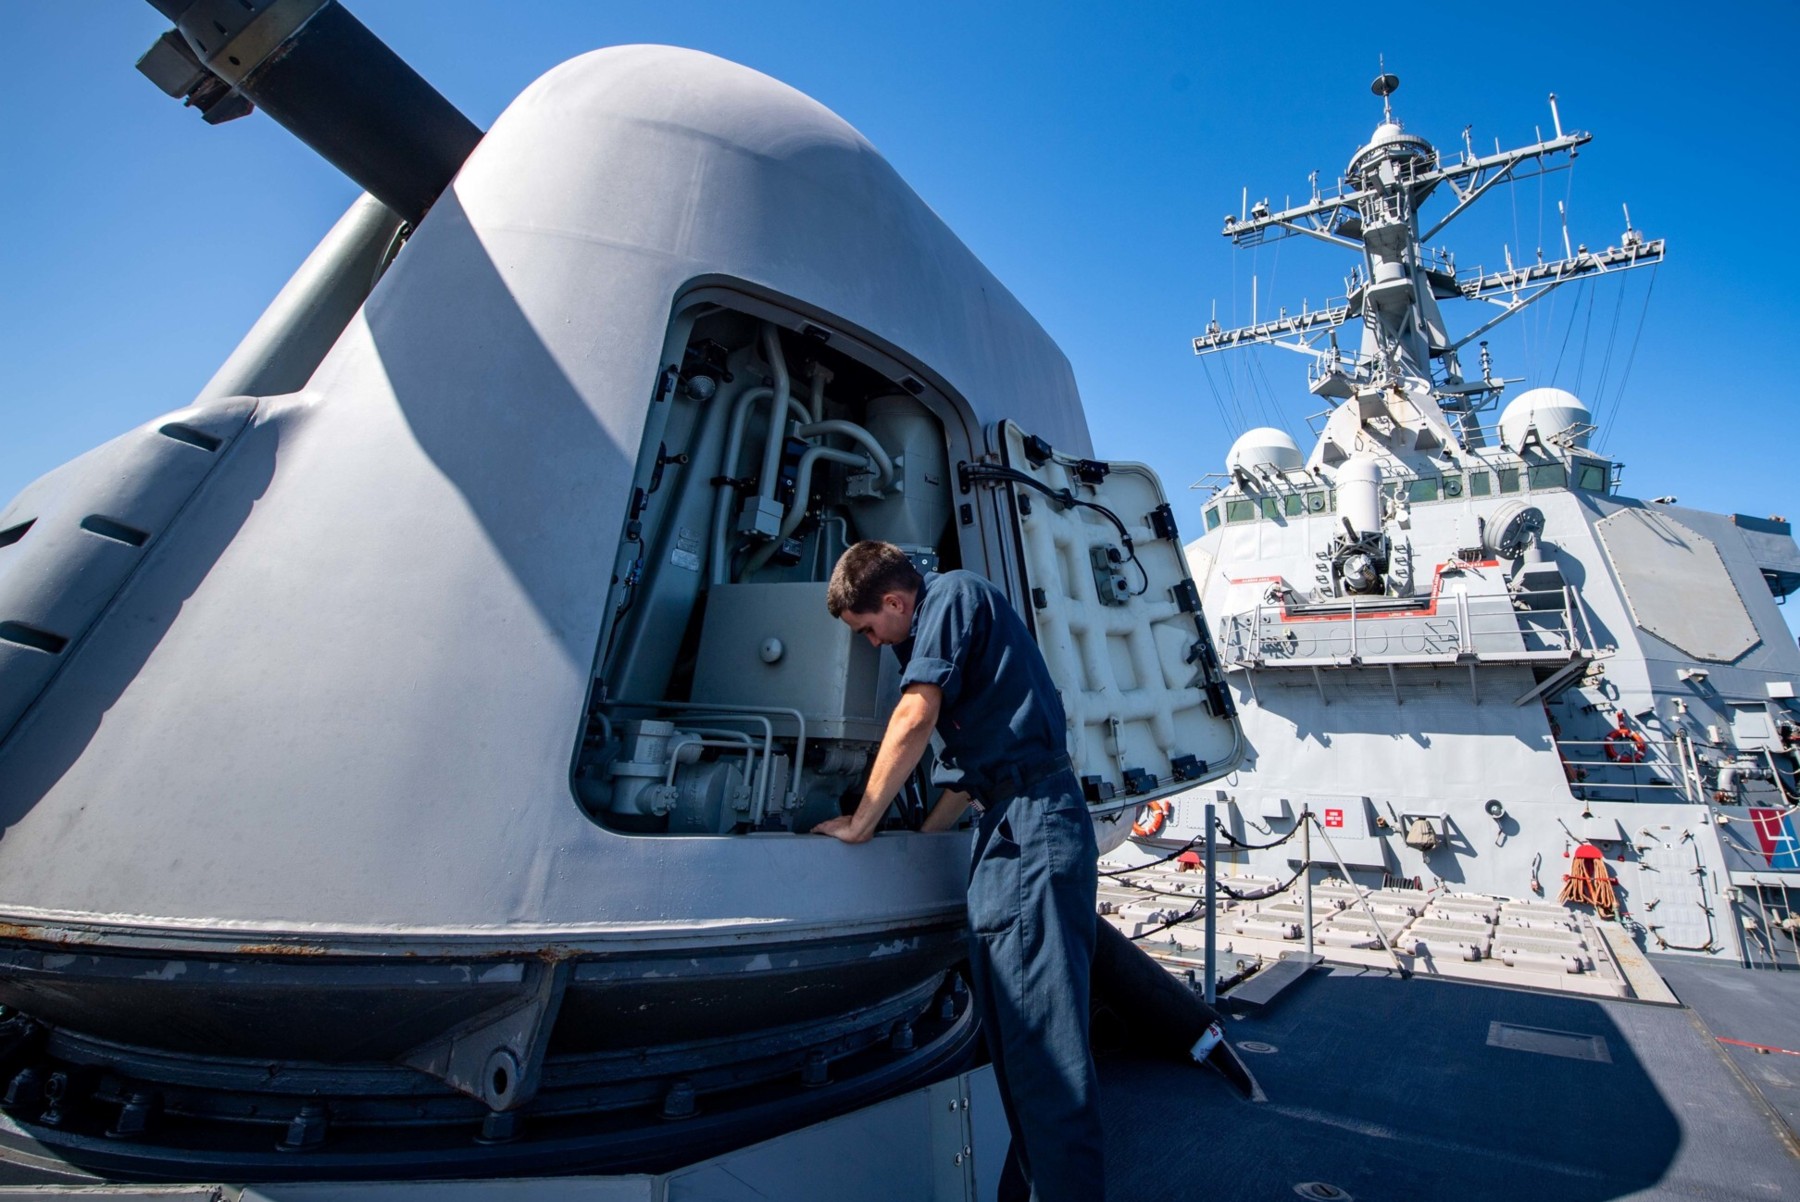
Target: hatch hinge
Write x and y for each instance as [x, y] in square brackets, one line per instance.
[1090, 471]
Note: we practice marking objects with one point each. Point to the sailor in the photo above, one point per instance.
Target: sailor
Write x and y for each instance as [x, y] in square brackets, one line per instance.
[971, 671]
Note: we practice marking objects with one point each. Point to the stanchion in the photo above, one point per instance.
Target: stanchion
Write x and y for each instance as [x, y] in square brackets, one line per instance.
[1367, 908]
[1212, 899]
[1306, 867]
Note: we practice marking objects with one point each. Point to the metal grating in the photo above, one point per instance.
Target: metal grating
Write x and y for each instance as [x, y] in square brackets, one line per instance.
[1567, 1044]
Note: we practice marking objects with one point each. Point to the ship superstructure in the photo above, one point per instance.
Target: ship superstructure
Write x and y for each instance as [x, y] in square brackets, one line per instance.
[1456, 641]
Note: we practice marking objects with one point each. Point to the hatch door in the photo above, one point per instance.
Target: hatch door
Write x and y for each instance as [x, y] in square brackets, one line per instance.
[1105, 586]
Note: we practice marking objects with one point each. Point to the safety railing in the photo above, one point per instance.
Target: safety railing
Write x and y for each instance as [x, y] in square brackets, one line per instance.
[1458, 627]
[1627, 766]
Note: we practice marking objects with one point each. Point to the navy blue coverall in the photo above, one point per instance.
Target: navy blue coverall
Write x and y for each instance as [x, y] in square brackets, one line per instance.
[1032, 876]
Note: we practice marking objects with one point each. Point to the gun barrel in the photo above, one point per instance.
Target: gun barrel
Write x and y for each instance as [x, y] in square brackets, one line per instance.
[319, 72]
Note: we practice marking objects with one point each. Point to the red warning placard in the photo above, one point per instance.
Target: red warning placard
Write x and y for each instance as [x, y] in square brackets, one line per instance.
[1334, 818]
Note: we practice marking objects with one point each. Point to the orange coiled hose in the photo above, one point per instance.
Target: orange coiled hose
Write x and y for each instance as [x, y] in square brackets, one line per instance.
[1589, 882]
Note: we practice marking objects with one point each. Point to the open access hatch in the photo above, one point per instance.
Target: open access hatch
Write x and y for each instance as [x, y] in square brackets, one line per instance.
[1104, 583]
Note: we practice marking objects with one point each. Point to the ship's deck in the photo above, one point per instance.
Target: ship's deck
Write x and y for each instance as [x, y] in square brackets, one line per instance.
[1390, 1088]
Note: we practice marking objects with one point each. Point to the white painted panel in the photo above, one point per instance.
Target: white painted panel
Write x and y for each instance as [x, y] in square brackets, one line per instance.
[1127, 644]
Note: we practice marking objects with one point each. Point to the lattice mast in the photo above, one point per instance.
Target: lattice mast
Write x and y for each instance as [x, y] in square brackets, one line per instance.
[1406, 351]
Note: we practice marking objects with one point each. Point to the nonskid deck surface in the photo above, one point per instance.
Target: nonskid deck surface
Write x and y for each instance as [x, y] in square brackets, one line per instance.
[1391, 1088]
[1754, 1017]
[1526, 943]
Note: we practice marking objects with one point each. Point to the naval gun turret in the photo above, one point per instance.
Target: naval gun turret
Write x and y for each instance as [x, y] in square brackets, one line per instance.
[407, 751]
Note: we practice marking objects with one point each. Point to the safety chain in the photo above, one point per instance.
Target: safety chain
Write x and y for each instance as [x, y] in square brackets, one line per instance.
[1271, 891]
[1664, 945]
[1191, 844]
[1243, 846]
[1174, 855]
[1198, 909]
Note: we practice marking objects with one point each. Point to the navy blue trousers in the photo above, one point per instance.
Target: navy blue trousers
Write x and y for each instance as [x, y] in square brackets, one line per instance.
[1031, 948]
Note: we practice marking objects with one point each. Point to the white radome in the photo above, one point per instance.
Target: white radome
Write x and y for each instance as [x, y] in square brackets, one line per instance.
[1264, 447]
[1551, 410]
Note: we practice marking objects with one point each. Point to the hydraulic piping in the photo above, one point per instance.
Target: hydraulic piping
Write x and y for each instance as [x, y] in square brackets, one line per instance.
[884, 465]
[778, 415]
[875, 460]
[821, 376]
[815, 425]
[734, 445]
[723, 486]
[802, 488]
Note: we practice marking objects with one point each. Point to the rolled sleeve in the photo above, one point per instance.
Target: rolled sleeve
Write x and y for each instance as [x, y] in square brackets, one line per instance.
[948, 624]
[940, 672]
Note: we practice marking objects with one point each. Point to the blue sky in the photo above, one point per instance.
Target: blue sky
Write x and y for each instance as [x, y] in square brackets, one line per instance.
[1086, 153]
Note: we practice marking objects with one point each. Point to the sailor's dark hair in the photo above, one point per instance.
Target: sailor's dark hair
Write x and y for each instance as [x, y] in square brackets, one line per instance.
[865, 574]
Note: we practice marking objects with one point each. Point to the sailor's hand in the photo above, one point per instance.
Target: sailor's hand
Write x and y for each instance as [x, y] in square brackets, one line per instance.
[843, 828]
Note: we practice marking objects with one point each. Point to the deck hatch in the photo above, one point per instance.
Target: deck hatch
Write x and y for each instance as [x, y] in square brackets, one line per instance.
[1567, 1044]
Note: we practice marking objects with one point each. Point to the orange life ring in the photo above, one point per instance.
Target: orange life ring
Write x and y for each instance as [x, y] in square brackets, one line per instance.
[1624, 745]
[1151, 820]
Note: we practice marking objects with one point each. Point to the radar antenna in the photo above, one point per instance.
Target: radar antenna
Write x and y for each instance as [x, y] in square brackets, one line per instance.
[1395, 291]
[1385, 85]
